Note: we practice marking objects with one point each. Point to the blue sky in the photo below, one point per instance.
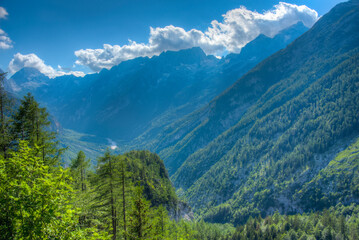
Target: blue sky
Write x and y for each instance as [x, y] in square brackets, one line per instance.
[54, 30]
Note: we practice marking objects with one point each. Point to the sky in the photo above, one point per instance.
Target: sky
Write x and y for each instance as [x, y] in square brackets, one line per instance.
[82, 36]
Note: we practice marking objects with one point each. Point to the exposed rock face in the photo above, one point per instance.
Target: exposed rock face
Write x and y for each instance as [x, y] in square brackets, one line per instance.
[182, 211]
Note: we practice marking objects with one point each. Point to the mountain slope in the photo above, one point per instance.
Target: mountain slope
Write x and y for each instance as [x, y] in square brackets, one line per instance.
[271, 125]
[231, 67]
[337, 182]
[286, 148]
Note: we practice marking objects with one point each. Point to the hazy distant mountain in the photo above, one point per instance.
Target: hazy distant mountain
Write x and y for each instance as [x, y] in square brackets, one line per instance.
[26, 80]
[257, 146]
[140, 96]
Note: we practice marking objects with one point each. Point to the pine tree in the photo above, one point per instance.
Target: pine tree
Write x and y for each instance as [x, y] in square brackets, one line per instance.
[79, 169]
[161, 223]
[5, 108]
[107, 189]
[31, 123]
[140, 225]
[125, 185]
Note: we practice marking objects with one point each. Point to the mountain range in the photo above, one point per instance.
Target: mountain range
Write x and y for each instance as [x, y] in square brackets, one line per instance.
[144, 94]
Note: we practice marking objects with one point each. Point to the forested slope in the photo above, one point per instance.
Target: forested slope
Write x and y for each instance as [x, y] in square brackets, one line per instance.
[286, 118]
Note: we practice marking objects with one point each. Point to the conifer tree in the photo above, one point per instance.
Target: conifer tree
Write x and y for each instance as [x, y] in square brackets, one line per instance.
[161, 222]
[125, 185]
[107, 189]
[31, 123]
[79, 168]
[5, 107]
[140, 225]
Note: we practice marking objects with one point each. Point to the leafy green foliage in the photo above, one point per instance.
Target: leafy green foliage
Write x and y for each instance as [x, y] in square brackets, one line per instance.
[34, 200]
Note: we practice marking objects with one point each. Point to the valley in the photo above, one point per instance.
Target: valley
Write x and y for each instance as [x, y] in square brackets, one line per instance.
[261, 144]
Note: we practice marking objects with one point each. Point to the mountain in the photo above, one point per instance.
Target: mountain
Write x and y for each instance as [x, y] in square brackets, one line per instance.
[254, 148]
[26, 80]
[137, 98]
[148, 168]
[262, 47]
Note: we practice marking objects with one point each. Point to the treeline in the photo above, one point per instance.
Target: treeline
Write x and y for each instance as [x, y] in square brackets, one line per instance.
[339, 223]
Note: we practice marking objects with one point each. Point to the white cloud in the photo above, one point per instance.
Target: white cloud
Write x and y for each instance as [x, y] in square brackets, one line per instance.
[239, 26]
[32, 60]
[5, 41]
[3, 13]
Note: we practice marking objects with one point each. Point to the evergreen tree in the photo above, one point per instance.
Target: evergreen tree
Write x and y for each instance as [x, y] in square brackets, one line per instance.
[5, 107]
[125, 185]
[161, 222]
[140, 224]
[107, 189]
[79, 169]
[31, 123]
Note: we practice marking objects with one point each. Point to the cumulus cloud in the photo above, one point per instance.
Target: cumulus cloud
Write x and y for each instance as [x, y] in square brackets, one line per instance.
[5, 41]
[241, 25]
[32, 60]
[238, 27]
[161, 39]
[3, 13]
